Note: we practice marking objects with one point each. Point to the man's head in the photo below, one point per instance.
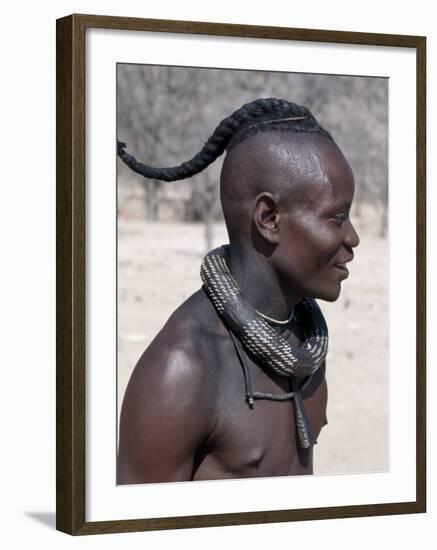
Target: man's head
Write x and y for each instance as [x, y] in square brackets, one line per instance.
[286, 191]
[287, 195]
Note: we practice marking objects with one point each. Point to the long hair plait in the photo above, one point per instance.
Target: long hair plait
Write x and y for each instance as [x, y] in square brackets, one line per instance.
[269, 114]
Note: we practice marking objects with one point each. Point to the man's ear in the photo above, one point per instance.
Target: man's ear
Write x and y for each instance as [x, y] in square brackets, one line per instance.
[266, 217]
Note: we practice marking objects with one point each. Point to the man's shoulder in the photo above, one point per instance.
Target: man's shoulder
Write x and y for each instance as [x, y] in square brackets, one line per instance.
[183, 355]
[194, 326]
[170, 403]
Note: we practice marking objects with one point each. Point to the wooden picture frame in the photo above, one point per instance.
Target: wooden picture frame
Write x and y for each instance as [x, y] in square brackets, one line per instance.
[71, 273]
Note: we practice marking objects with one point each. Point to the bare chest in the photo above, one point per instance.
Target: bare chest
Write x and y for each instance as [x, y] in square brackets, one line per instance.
[259, 441]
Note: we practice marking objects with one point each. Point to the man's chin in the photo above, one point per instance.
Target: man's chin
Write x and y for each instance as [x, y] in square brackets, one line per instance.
[329, 296]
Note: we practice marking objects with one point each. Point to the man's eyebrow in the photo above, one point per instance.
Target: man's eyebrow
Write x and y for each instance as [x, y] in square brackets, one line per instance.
[345, 206]
[334, 208]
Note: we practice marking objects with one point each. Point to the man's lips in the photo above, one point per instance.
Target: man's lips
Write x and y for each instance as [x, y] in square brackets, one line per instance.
[343, 269]
[341, 266]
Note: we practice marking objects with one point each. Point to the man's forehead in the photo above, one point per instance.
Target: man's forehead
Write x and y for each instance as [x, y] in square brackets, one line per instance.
[285, 162]
[287, 158]
[311, 167]
[285, 148]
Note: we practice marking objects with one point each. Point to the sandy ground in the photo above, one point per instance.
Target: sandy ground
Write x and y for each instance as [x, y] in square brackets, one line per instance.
[158, 268]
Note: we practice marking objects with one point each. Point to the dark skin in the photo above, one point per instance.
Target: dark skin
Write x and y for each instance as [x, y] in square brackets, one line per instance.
[286, 200]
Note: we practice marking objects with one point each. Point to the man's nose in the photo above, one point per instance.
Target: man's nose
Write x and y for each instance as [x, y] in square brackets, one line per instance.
[352, 239]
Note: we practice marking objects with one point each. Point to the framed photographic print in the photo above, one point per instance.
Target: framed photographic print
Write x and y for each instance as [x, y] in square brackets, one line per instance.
[213, 181]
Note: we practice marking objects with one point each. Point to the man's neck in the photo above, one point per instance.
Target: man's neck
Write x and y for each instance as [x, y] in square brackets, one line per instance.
[259, 284]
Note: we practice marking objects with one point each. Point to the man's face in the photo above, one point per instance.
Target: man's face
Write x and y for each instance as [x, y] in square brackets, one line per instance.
[316, 233]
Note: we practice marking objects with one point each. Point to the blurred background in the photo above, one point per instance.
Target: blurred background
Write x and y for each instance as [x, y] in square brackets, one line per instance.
[165, 114]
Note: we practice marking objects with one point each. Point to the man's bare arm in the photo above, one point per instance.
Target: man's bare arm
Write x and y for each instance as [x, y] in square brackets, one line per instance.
[166, 415]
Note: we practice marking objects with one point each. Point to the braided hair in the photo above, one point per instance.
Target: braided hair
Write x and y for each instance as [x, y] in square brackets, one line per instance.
[257, 116]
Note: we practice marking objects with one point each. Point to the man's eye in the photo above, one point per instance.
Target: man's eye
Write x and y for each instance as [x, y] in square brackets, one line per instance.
[340, 218]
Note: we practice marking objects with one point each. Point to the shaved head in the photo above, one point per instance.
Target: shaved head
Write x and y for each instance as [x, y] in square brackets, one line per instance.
[279, 163]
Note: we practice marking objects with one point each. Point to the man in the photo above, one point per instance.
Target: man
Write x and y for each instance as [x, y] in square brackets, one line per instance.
[233, 385]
